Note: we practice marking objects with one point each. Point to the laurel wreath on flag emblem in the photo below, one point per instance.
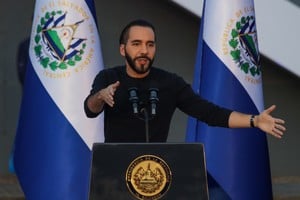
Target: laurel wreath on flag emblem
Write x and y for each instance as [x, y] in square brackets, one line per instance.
[244, 46]
[55, 44]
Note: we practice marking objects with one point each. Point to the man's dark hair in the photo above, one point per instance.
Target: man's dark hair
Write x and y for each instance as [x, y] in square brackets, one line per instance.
[125, 32]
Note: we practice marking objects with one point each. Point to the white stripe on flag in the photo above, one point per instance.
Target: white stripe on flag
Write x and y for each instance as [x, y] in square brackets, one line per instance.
[77, 78]
[222, 16]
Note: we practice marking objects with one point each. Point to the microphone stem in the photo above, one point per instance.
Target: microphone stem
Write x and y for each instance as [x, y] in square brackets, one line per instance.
[146, 117]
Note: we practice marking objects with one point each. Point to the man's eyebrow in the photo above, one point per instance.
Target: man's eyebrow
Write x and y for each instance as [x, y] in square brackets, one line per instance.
[150, 41]
[136, 41]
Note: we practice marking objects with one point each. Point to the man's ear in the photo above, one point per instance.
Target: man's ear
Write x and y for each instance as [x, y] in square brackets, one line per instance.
[122, 49]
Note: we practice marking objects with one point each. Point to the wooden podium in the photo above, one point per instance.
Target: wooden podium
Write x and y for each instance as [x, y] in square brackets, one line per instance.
[150, 171]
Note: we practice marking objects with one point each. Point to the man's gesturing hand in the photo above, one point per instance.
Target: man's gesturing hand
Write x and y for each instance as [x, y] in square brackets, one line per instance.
[269, 124]
[107, 94]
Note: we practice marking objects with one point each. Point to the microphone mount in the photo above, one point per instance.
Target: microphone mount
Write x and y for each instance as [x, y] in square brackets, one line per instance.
[143, 112]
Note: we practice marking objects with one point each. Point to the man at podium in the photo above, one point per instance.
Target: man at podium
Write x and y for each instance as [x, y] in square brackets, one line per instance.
[138, 92]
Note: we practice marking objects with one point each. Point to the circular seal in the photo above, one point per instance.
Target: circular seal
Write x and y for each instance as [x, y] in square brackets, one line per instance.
[148, 177]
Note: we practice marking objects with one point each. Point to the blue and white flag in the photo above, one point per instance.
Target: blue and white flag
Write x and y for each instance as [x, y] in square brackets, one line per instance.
[53, 145]
[228, 73]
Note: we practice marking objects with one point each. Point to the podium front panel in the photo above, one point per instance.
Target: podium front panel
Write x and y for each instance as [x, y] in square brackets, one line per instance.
[112, 164]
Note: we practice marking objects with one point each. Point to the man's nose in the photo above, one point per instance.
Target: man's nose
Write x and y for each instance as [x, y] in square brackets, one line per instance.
[144, 49]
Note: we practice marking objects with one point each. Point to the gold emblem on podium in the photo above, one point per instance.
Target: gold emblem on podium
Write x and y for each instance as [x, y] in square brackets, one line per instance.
[148, 177]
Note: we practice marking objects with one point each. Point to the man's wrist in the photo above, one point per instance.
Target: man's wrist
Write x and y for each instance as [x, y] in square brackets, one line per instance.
[252, 124]
[95, 103]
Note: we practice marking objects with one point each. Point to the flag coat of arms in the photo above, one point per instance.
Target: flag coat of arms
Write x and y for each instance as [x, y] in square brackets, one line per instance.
[53, 145]
[228, 73]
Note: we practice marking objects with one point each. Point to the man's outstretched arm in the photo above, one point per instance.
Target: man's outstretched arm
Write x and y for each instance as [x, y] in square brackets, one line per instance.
[264, 121]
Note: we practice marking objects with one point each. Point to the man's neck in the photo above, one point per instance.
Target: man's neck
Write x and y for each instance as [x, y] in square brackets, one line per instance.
[131, 73]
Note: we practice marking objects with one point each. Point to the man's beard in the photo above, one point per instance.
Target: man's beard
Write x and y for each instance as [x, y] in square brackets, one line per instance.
[139, 70]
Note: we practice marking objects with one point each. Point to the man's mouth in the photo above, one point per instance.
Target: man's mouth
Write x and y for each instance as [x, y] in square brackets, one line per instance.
[143, 60]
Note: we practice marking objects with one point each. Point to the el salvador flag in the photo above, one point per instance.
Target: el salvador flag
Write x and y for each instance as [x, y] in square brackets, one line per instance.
[227, 72]
[53, 144]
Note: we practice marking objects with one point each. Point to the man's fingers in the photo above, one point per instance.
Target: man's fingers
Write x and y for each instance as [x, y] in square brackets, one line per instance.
[107, 94]
[270, 109]
[113, 87]
[280, 127]
[279, 121]
[277, 133]
[116, 84]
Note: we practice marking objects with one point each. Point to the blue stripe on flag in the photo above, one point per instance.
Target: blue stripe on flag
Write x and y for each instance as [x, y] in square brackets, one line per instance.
[49, 166]
[192, 122]
[237, 159]
[52, 154]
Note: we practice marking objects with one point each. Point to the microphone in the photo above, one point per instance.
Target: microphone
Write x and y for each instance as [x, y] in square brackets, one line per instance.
[133, 99]
[153, 99]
